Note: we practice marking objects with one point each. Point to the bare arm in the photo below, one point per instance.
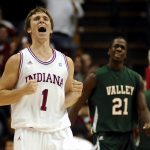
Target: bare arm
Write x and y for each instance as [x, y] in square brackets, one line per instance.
[73, 88]
[88, 86]
[8, 81]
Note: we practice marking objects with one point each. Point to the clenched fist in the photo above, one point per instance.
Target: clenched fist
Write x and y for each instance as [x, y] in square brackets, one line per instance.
[77, 87]
[73, 96]
[30, 87]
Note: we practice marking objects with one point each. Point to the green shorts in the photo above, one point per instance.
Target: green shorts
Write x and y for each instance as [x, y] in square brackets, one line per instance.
[114, 141]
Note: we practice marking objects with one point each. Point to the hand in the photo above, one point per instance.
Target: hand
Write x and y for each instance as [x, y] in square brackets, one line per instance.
[74, 94]
[146, 129]
[77, 87]
[30, 87]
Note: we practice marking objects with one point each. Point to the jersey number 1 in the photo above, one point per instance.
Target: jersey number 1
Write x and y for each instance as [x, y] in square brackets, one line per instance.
[45, 94]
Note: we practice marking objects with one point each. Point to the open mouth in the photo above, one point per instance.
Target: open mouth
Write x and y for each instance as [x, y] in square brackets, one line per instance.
[42, 29]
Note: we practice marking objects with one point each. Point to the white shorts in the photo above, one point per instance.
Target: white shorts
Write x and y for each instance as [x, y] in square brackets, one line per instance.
[30, 139]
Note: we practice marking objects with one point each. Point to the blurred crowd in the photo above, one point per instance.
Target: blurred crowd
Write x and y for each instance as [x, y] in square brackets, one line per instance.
[13, 39]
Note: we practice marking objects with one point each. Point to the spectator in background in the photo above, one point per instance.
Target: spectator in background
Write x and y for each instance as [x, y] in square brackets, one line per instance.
[65, 14]
[86, 63]
[83, 66]
[147, 73]
[16, 14]
[25, 42]
[78, 69]
[148, 22]
[7, 47]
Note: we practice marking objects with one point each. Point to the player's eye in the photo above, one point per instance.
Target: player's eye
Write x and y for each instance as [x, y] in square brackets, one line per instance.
[36, 18]
[119, 45]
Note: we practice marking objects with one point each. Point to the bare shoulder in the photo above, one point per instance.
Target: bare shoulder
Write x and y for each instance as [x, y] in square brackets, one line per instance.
[70, 65]
[11, 72]
[70, 61]
[70, 74]
[12, 64]
[14, 59]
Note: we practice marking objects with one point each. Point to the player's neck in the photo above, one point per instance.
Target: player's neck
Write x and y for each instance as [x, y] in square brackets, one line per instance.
[43, 52]
[41, 46]
[116, 66]
[40, 43]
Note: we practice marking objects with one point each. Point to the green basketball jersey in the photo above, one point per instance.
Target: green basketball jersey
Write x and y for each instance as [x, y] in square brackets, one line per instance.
[113, 101]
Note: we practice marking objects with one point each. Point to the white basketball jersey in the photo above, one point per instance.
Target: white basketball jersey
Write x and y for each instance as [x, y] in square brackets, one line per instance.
[44, 110]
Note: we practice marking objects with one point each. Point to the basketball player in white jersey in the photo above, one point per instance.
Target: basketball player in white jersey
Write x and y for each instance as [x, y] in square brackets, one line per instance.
[38, 83]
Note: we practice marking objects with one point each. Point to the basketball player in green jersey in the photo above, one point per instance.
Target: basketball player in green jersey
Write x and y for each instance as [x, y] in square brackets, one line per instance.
[144, 140]
[116, 101]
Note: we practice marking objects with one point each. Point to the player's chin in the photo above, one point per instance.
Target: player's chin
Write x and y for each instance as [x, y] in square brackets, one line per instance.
[118, 59]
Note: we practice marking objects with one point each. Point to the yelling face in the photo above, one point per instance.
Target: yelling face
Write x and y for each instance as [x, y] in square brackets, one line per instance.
[40, 26]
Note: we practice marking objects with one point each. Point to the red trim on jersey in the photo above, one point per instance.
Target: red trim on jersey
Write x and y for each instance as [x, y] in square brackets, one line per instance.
[66, 62]
[44, 62]
[20, 63]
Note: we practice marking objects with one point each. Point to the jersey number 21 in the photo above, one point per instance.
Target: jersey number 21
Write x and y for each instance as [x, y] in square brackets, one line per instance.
[120, 107]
